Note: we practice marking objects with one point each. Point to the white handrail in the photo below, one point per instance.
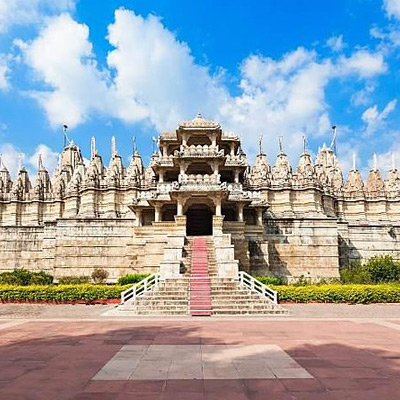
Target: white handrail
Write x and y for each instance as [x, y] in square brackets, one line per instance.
[256, 286]
[140, 288]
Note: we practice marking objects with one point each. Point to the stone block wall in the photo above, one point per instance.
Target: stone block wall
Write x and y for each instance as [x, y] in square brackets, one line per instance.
[302, 247]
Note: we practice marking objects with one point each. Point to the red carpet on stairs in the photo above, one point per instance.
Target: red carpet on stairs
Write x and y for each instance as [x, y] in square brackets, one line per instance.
[200, 285]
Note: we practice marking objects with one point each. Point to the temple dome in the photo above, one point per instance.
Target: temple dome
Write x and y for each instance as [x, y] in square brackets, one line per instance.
[199, 122]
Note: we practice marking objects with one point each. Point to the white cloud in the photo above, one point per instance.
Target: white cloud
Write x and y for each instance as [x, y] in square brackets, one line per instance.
[62, 58]
[392, 8]
[153, 78]
[11, 156]
[363, 63]
[363, 97]
[4, 71]
[374, 119]
[156, 75]
[28, 12]
[336, 43]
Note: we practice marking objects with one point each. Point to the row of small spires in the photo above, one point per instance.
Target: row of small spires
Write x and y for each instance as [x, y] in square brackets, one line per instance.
[114, 152]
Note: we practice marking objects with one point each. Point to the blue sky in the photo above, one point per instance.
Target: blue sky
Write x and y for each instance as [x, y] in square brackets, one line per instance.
[136, 68]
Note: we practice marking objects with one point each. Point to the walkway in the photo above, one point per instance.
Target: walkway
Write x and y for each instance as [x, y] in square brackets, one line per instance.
[251, 358]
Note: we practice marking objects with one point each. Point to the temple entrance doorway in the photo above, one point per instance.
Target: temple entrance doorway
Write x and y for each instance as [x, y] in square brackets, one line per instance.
[199, 220]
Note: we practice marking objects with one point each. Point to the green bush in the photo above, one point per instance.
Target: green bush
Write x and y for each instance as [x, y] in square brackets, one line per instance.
[271, 280]
[131, 279]
[99, 275]
[338, 293]
[73, 280]
[23, 277]
[355, 273]
[376, 270]
[383, 269]
[87, 293]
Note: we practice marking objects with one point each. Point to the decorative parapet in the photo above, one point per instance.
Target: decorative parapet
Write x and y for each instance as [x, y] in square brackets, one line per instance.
[199, 182]
[164, 161]
[199, 151]
[239, 160]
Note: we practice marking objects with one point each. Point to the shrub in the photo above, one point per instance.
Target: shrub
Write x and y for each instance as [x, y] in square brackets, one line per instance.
[131, 278]
[73, 280]
[41, 278]
[99, 275]
[338, 293]
[356, 273]
[87, 293]
[376, 270]
[271, 280]
[383, 269]
[23, 277]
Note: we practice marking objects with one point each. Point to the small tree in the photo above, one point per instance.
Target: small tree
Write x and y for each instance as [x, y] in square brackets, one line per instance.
[99, 275]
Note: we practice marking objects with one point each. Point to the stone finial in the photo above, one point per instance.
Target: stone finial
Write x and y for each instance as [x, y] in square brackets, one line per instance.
[92, 148]
[280, 142]
[375, 162]
[114, 151]
[40, 163]
[354, 162]
[260, 139]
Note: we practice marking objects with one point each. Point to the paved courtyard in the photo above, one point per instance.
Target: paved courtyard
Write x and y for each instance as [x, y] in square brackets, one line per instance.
[295, 357]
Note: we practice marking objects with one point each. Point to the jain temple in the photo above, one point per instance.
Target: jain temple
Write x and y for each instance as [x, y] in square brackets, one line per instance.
[266, 219]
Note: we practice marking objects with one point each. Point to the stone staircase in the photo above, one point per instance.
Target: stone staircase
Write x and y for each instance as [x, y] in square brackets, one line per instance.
[200, 292]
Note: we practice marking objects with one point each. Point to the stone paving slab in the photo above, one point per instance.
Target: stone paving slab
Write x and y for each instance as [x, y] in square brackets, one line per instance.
[346, 359]
[154, 362]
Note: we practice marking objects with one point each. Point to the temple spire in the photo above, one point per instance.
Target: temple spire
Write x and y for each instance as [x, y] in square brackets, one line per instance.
[134, 148]
[304, 138]
[92, 148]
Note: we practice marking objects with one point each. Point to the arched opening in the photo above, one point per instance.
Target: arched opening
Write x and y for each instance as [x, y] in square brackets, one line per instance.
[199, 220]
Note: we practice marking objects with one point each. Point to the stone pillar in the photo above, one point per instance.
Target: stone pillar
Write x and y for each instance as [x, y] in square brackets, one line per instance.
[157, 213]
[232, 148]
[259, 216]
[161, 176]
[236, 175]
[138, 218]
[240, 212]
[214, 140]
[218, 207]
[179, 207]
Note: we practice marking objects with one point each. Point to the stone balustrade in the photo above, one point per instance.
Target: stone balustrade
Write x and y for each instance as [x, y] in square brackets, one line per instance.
[199, 151]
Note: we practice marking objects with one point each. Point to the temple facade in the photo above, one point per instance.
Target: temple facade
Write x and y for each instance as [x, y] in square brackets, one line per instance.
[264, 219]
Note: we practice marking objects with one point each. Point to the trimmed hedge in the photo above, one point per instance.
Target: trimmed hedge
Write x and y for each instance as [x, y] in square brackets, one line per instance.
[270, 280]
[60, 293]
[338, 293]
[131, 278]
[332, 293]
